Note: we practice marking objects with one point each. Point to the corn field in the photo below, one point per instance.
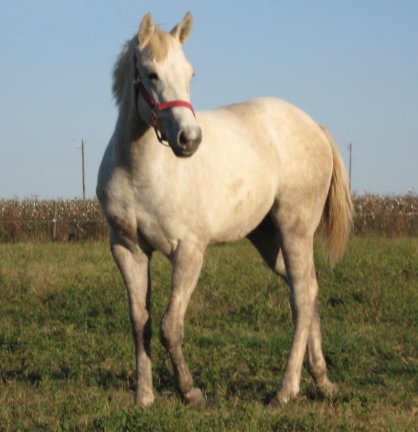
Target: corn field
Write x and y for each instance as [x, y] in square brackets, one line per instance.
[82, 220]
[57, 220]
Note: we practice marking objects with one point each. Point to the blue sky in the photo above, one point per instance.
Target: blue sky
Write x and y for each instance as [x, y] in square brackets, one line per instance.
[352, 65]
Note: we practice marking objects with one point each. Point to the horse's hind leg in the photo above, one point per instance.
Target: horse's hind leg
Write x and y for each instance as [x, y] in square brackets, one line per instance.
[187, 263]
[133, 264]
[267, 241]
[297, 245]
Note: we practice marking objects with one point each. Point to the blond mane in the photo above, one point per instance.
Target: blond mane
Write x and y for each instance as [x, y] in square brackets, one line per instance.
[156, 49]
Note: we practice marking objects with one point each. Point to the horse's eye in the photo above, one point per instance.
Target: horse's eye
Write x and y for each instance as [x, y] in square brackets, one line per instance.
[153, 76]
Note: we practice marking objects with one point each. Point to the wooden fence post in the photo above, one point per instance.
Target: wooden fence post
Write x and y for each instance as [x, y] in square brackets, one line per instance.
[54, 222]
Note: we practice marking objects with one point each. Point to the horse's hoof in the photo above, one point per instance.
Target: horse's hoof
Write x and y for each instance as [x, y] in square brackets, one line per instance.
[282, 398]
[144, 399]
[328, 388]
[274, 405]
[194, 398]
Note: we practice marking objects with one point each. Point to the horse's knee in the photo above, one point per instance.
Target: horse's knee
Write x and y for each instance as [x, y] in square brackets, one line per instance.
[141, 324]
[171, 334]
[139, 316]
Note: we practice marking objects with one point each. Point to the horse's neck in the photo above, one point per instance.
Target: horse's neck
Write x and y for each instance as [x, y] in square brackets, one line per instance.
[131, 133]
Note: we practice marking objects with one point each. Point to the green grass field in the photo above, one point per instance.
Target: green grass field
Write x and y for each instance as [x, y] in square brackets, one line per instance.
[67, 362]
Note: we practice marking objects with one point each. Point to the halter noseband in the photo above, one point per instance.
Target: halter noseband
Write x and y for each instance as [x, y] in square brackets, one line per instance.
[156, 107]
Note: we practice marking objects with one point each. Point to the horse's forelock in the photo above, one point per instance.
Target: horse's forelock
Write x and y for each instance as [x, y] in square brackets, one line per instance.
[157, 46]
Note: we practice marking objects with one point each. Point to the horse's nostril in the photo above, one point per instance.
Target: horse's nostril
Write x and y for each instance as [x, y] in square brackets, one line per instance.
[189, 139]
[183, 138]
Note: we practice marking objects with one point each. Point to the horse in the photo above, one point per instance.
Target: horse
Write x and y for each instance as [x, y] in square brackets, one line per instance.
[176, 181]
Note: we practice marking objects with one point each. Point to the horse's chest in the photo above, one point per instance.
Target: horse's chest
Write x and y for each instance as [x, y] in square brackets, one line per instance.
[133, 216]
[154, 230]
[143, 224]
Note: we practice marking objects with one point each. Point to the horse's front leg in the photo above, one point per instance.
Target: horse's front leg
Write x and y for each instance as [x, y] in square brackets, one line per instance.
[134, 265]
[187, 263]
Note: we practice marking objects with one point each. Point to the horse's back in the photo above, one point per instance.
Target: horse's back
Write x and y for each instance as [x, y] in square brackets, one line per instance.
[291, 145]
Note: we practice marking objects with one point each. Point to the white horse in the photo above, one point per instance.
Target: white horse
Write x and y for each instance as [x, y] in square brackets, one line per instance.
[261, 169]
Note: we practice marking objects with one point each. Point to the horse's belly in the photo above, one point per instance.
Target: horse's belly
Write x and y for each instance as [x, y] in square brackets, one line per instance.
[241, 215]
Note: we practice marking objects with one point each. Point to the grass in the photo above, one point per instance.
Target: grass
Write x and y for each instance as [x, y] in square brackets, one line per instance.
[67, 362]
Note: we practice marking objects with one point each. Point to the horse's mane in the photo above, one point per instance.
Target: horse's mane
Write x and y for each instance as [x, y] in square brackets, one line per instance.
[123, 71]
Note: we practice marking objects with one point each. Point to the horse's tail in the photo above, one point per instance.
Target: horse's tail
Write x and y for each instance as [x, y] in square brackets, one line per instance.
[337, 217]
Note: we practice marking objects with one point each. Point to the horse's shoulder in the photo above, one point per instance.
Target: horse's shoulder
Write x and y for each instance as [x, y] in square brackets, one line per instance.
[118, 203]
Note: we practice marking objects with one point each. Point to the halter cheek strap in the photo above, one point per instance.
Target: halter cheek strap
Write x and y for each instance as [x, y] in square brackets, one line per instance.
[156, 107]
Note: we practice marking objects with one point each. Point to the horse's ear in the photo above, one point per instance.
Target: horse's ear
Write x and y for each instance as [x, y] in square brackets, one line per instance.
[146, 30]
[183, 29]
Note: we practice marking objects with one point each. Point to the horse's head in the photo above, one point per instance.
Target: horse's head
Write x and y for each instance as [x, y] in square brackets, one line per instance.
[163, 76]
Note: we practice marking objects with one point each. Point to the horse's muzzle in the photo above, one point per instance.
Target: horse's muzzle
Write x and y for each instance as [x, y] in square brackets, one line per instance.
[188, 141]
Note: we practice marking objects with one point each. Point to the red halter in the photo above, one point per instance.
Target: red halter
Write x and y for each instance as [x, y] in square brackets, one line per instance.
[156, 108]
